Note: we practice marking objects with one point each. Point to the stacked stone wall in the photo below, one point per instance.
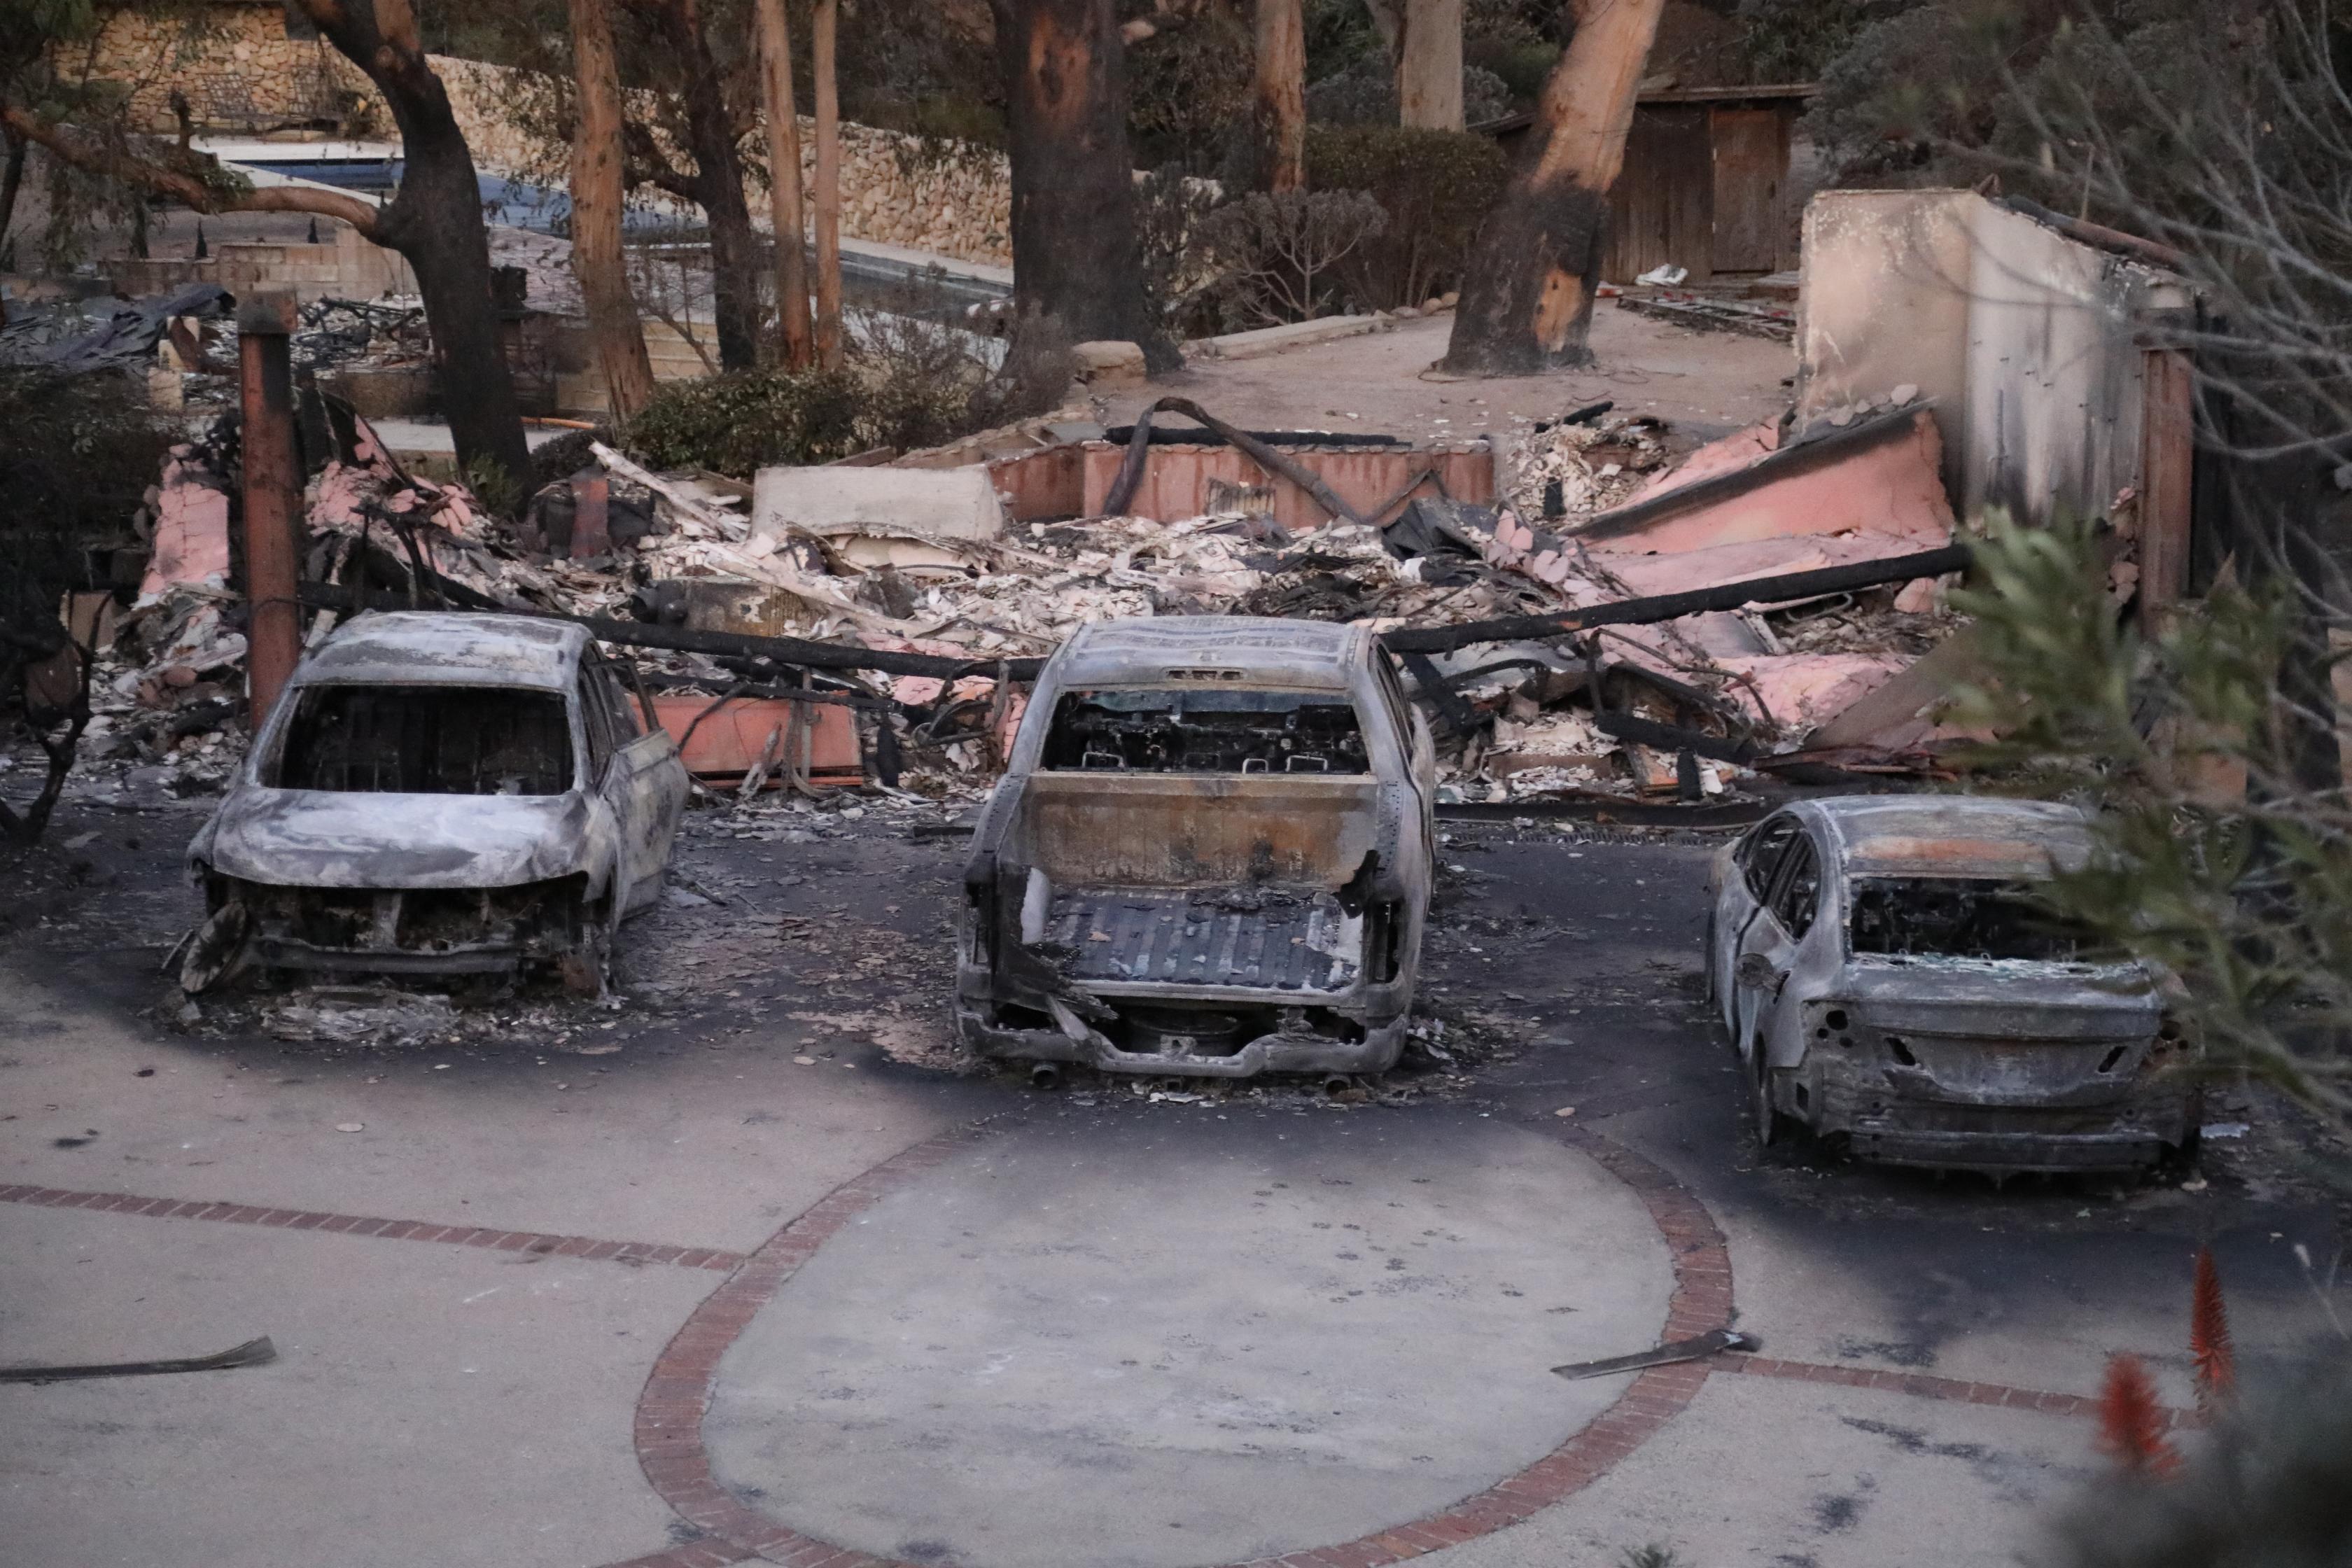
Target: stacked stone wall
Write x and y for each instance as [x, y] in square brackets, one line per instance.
[240, 70]
[954, 200]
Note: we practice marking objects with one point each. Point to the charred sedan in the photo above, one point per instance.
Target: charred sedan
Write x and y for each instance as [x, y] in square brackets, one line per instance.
[439, 794]
[1209, 853]
[1889, 980]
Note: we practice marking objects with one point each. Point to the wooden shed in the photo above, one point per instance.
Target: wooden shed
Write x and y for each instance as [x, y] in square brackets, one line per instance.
[1705, 181]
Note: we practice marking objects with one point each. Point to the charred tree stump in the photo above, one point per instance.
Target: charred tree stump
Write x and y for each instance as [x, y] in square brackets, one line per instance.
[1074, 248]
[1526, 296]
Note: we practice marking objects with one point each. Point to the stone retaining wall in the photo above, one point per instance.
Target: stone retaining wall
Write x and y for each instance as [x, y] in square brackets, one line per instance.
[242, 67]
[953, 200]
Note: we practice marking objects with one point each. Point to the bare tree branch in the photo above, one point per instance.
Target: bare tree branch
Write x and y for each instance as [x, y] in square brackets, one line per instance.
[186, 185]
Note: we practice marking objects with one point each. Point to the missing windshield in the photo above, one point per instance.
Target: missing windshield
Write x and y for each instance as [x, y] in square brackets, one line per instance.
[1205, 732]
[427, 740]
[1958, 917]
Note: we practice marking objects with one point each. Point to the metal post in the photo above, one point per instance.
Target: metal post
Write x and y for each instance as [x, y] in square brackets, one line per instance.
[273, 499]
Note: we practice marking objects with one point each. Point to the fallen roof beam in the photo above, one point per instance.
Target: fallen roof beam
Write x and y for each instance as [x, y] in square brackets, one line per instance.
[798, 652]
[1673, 606]
[804, 654]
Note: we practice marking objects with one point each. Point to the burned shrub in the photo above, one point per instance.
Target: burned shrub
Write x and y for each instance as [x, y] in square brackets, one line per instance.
[79, 456]
[1436, 187]
[1277, 255]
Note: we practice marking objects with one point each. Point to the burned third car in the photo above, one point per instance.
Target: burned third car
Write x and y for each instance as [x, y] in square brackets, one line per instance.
[1209, 853]
[1890, 981]
[440, 793]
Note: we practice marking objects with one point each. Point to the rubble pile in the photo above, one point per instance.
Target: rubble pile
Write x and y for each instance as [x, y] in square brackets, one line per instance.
[1590, 511]
[1574, 467]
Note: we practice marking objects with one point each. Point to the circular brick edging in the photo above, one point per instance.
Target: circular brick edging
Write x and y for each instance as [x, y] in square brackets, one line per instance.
[676, 1395]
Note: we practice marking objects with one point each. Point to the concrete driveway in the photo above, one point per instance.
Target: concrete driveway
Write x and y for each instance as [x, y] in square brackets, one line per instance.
[756, 1266]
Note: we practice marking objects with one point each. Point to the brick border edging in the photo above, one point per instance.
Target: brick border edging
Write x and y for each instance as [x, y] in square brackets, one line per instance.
[588, 1248]
[668, 1427]
[1927, 1386]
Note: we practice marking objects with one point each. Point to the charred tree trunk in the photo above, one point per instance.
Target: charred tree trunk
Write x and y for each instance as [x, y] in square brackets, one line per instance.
[598, 192]
[1429, 65]
[784, 119]
[12, 180]
[822, 24]
[436, 223]
[1074, 248]
[719, 189]
[1281, 105]
[1526, 300]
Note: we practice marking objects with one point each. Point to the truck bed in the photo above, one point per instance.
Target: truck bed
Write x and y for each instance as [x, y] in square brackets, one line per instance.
[1293, 940]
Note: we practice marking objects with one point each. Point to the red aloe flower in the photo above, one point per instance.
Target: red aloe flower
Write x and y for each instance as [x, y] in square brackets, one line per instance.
[2209, 1336]
[2131, 1423]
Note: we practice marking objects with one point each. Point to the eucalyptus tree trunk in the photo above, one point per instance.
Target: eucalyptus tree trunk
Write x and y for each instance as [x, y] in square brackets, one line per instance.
[1528, 292]
[597, 195]
[784, 181]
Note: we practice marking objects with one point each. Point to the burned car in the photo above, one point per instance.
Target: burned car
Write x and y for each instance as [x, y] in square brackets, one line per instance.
[1890, 981]
[1209, 853]
[440, 793]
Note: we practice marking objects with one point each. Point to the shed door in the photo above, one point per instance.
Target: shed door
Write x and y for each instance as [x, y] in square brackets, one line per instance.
[1751, 160]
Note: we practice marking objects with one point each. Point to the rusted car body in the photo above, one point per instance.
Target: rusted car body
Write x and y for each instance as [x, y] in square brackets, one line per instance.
[1209, 855]
[440, 793]
[1888, 980]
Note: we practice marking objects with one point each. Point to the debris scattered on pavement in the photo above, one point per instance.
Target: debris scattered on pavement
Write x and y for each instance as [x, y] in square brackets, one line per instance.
[253, 1352]
[1712, 1342]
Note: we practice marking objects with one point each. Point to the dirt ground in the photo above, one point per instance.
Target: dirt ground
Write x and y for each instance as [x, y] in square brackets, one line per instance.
[1705, 385]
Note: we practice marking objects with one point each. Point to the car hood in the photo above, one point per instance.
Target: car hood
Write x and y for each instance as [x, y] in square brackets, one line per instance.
[2042, 998]
[315, 838]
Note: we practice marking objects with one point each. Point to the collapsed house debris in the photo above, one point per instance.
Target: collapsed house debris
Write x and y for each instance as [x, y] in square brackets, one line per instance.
[1586, 610]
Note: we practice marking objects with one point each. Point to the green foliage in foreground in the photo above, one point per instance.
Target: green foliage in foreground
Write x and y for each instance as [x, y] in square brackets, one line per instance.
[2246, 894]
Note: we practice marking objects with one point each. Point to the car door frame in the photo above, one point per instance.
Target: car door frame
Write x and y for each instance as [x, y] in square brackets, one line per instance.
[644, 793]
[1756, 1010]
[1739, 898]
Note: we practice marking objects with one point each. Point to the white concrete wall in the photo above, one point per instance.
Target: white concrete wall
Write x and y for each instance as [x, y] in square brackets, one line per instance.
[2027, 340]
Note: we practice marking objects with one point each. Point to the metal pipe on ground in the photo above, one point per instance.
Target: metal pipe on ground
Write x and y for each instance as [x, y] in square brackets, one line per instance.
[1138, 449]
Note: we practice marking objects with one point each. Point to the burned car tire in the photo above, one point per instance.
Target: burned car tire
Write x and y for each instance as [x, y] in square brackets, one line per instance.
[1773, 1129]
[216, 949]
[587, 969]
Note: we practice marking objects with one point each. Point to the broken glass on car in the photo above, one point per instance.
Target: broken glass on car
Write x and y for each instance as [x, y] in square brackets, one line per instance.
[1958, 917]
[1205, 732]
[426, 740]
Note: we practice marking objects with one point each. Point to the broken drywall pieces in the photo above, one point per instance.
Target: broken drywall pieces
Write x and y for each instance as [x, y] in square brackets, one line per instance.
[948, 503]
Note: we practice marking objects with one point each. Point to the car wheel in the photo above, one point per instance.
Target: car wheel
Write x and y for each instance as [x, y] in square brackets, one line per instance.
[1771, 1127]
[587, 969]
[1707, 967]
[215, 951]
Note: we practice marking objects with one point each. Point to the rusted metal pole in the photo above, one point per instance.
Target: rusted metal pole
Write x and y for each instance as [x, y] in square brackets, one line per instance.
[273, 499]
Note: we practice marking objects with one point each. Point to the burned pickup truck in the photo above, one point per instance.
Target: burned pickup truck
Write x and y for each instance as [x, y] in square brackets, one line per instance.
[1890, 981]
[439, 794]
[1209, 853]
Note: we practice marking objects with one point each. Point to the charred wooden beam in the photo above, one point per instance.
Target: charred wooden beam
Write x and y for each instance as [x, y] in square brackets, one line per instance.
[1787, 586]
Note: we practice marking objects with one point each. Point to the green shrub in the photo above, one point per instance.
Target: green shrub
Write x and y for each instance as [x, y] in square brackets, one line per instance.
[80, 453]
[746, 420]
[1435, 185]
[912, 380]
